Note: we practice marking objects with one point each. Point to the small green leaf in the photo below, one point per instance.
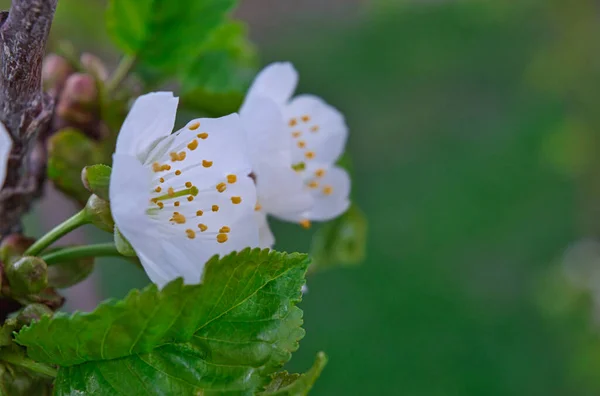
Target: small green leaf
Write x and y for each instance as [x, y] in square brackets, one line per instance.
[217, 79]
[341, 242]
[228, 334]
[285, 384]
[69, 151]
[96, 179]
[164, 33]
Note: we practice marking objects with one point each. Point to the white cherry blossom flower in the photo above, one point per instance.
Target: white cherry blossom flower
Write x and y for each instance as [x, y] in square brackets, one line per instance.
[181, 198]
[5, 147]
[294, 144]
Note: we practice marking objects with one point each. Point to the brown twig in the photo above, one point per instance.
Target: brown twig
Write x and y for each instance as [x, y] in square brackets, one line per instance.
[24, 109]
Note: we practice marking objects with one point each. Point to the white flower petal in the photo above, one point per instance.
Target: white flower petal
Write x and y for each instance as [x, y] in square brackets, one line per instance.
[266, 238]
[5, 147]
[281, 190]
[331, 196]
[277, 81]
[150, 119]
[264, 127]
[318, 129]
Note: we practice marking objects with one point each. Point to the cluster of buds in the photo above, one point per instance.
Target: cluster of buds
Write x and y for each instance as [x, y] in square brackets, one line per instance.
[75, 88]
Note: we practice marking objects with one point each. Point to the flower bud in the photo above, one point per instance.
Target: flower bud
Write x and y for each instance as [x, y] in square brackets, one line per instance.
[93, 65]
[98, 212]
[123, 245]
[78, 99]
[13, 247]
[28, 275]
[55, 71]
[33, 312]
[96, 179]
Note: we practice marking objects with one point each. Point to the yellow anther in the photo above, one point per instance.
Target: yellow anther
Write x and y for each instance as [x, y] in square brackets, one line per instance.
[305, 118]
[194, 126]
[222, 238]
[190, 233]
[221, 187]
[320, 172]
[154, 200]
[327, 190]
[293, 122]
[215, 208]
[190, 198]
[176, 203]
[207, 164]
[202, 227]
[177, 156]
[301, 144]
[160, 205]
[314, 128]
[193, 145]
[170, 191]
[182, 155]
[225, 229]
[158, 189]
[188, 184]
[231, 179]
[236, 200]
[305, 223]
[313, 184]
[177, 172]
[178, 218]
[156, 167]
[202, 135]
[309, 154]
[257, 207]
[165, 167]
[199, 213]
[296, 134]
[162, 179]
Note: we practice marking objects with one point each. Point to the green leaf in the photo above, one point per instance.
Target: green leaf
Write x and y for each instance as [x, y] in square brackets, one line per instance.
[69, 151]
[217, 79]
[164, 33]
[229, 333]
[341, 242]
[96, 179]
[285, 384]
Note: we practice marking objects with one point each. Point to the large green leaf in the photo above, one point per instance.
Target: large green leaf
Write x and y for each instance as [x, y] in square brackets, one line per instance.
[285, 384]
[164, 33]
[229, 333]
[217, 79]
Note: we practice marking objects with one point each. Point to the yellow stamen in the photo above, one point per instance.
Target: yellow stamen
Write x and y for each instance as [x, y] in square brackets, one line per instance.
[306, 118]
[199, 213]
[225, 229]
[313, 184]
[176, 203]
[296, 134]
[327, 190]
[320, 172]
[305, 223]
[293, 122]
[236, 200]
[177, 172]
[202, 227]
[258, 207]
[215, 208]
[158, 189]
[188, 184]
[207, 164]
[221, 187]
[301, 144]
[231, 179]
[156, 167]
[202, 135]
[190, 198]
[222, 238]
[190, 233]
[165, 167]
[309, 154]
[314, 128]
[160, 205]
[162, 179]
[178, 218]
[171, 192]
[193, 145]
[194, 126]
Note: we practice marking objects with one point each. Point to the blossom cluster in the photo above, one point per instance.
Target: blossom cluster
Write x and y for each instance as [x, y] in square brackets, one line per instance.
[180, 198]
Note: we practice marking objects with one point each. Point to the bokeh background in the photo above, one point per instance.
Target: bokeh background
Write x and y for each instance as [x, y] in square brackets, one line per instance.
[474, 138]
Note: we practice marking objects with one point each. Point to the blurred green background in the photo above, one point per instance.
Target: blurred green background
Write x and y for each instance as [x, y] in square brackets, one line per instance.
[473, 137]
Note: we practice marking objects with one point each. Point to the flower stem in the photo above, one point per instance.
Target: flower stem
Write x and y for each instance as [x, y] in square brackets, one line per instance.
[78, 252]
[65, 227]
[25, 362]
[120, 73]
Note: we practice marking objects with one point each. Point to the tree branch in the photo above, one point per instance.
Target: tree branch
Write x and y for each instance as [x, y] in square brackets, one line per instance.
[24, 109]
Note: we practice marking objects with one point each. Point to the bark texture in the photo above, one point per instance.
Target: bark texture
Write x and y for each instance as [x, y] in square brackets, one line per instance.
[25, 110]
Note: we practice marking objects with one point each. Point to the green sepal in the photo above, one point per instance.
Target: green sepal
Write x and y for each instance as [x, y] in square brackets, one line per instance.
[96, 179]
[123, 245]
[98, 213]
[285, 384]
[341, 242]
